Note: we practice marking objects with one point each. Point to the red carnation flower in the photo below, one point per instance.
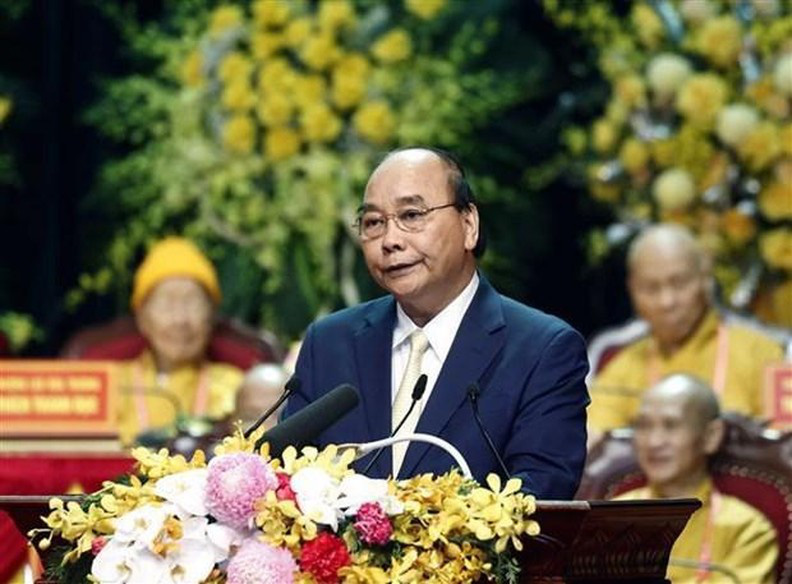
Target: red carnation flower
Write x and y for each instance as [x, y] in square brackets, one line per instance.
[284, 490]
[323, 557]
[372, 524]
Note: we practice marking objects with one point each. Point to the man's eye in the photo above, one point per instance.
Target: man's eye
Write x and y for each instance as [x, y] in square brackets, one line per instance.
[410, 215]
[369, 222]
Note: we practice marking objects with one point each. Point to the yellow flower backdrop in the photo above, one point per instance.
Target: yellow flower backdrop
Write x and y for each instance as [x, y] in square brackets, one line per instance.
[265, 120]
[698, 129]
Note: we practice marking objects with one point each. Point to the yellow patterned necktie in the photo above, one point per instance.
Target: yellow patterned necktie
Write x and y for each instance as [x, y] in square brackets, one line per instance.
[418, 345]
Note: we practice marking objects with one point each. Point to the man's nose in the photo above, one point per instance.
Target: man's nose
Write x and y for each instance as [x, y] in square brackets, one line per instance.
[667, 297]
[179, 314]
[655, 437]
[393, 237]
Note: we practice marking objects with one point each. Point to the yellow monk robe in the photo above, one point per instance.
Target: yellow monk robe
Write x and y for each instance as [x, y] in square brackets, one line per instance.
[742, 539]
[153, 409]
[617, 389]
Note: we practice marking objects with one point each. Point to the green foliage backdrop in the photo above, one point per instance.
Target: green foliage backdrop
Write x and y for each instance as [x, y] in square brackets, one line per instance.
[252, 129]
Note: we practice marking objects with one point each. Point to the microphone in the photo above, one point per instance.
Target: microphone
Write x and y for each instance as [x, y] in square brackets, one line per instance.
[473, 393]
[306, 425]
[417, 394]
[292, 386]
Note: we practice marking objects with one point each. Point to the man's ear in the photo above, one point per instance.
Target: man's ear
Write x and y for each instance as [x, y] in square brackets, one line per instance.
[713, 436]
[470, 218]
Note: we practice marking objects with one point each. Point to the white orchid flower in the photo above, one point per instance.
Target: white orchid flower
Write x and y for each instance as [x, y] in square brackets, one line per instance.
[186, 489]
[358, 489]
[317, 495]
[140, 526]
[147, 567]
[127, 563]
[191, 562]
[130, 559]
[110, 564]
[223, 538]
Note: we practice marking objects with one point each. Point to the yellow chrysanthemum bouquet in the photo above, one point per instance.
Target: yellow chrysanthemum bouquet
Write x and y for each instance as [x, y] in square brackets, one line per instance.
[698, 129]
[245, 518]
[264, 120]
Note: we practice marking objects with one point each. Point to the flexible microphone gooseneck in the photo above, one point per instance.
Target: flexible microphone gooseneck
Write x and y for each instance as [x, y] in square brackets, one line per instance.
[473, 395]
[306, 425]
[362, 449]
[292, 386]
[417, 394]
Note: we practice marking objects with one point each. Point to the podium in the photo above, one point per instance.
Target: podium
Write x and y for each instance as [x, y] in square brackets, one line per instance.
[582, 542]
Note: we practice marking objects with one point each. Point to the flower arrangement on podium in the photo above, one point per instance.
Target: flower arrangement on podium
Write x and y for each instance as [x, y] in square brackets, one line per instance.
[306, 517]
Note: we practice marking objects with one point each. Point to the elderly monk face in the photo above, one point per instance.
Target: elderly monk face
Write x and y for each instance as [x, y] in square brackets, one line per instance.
[427, 267]
[669, 289]
[176, 319]
[673, 436]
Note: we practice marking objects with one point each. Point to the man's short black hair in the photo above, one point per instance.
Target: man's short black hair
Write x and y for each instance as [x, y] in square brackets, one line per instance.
[464, 198]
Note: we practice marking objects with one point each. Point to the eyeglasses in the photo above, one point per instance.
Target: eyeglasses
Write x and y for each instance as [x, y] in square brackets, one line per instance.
[373, 224]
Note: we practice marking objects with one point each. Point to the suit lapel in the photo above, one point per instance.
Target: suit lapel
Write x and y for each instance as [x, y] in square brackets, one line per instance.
[480, 337]
[373, 342]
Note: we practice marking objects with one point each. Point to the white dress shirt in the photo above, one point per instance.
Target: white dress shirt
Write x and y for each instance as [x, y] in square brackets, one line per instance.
[440, 331]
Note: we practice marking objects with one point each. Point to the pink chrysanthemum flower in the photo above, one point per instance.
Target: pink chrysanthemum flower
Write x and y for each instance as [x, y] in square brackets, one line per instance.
[372, 524]
[257, 562]
[234, 483]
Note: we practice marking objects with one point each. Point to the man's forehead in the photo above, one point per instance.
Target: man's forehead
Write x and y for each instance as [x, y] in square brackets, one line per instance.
[399, 201]
[657, 261]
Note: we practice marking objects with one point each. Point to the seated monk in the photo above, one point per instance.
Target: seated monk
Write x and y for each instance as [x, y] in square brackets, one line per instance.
[174, 299]
[261, 388]
[677, 429]
[670, 285]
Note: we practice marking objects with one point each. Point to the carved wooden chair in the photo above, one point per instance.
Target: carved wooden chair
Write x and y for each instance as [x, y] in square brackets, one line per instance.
[232, 342]
[753, 464]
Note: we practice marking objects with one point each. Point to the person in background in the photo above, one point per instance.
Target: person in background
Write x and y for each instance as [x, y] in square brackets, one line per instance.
[677, 429]
[419, 231]
[174, 299]
[671, 288]
[262, 386]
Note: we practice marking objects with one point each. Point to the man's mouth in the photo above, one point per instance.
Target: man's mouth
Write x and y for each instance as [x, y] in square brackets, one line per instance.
[400, 268]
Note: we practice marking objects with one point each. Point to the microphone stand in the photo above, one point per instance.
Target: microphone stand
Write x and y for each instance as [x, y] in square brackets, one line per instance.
[417, 394]
[364, 448]
[292, 386]
[473, 395]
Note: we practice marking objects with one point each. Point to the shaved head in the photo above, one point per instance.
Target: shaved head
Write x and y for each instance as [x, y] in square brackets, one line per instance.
[695, 395]
[677, 429]
[667, 237]
[669, 283]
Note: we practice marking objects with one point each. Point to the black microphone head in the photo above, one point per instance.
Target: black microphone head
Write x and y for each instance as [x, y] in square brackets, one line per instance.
[473, 391]
[420, 387]
[306, 425]
[293, 385]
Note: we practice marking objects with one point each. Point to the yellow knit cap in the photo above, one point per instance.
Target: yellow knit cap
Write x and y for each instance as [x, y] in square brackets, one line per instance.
[169, 258]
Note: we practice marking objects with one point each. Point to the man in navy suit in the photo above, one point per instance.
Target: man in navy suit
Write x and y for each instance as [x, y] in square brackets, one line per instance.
[419, 231]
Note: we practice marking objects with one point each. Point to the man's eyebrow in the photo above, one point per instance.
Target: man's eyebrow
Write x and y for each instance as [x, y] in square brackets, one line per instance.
[401, 201]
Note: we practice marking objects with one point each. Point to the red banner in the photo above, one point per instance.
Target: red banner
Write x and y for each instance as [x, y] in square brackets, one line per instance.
[778, 395]
[57, 398]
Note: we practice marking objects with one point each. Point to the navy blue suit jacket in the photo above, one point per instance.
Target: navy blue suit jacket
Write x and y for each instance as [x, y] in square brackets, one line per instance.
[530, 367]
